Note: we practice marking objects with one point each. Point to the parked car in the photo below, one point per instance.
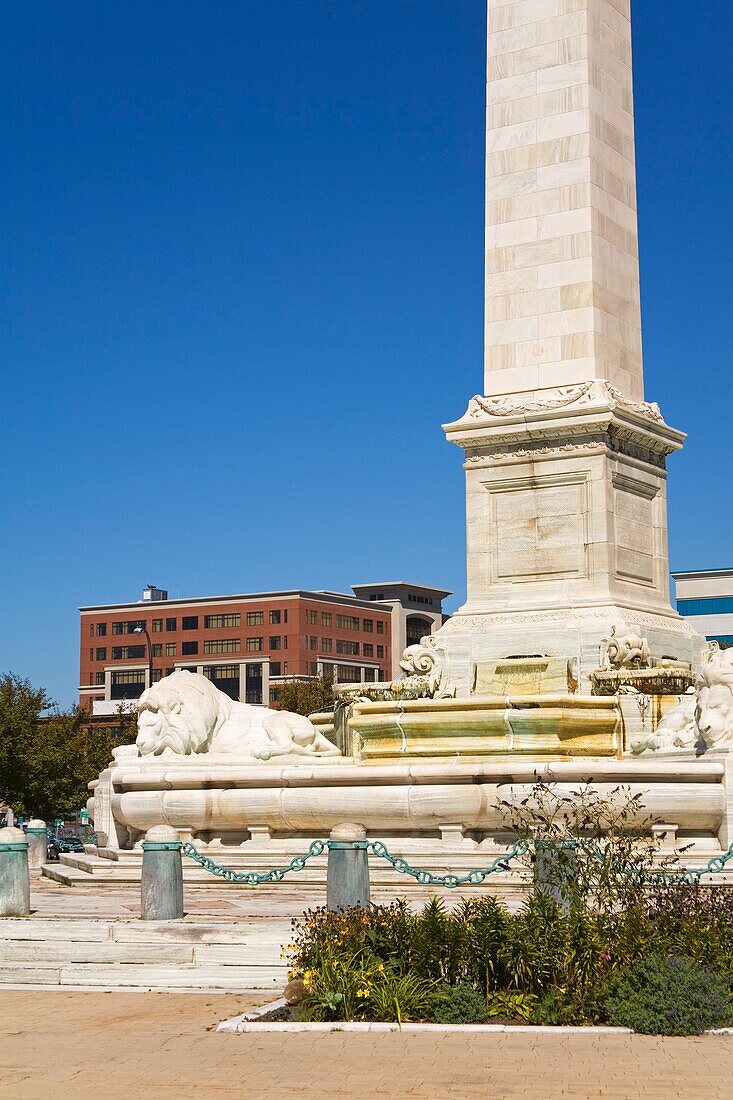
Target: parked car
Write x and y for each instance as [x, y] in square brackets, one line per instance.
[55, 845]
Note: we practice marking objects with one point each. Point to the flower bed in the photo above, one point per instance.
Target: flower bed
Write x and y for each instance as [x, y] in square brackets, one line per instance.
[602, 943]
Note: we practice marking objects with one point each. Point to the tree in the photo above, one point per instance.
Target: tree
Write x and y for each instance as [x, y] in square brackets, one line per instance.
[308, 696]
[46, 762]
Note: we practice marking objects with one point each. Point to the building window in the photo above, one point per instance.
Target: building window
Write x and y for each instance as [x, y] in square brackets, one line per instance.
[157, 675]
[190, 622]
[368, 649]
[312, 642]
[370, 675]
[128, 652]
[368, 625]
[157, 626]
[255, 618]
[91, 653]
[350, 648]
[380, 651]
[128, 628]
[127, 684]
[156, 650]
[253, 683]
[91, 629]
[326, 618]
[99, 679]
[380, 626]
[417, 628]
[275, 641]
[709, 605]
[223, 645]
[275, 668]
[275, 618]
[188, 649]
[254, 645]
[349, 674]
[171, 624]
[285, 615]
[102, 653]
[170, 649]
[313, 668]
[327, 645]
[313, 617]
[101, 630]
[225, 678]
[170, 670]
[275, 695]
[347, 622]
[222, 622]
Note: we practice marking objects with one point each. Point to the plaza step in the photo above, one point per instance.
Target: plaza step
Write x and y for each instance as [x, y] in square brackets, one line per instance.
[119, 954]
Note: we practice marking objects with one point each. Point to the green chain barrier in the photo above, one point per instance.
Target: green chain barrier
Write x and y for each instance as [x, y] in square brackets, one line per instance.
[318, 847]
[251, 878]
[425, 878]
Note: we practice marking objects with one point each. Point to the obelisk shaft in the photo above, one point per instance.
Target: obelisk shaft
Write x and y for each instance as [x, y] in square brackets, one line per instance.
[562, 273]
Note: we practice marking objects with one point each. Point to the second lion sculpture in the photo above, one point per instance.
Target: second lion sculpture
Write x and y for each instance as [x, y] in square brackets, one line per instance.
[185, 714]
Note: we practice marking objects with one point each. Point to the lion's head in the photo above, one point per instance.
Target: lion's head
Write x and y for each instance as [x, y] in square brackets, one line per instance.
[182, 712]
[714, 709]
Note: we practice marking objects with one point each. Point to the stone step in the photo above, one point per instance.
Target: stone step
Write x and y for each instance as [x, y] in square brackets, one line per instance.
[258, 932]
[199, 978]
[86, 951]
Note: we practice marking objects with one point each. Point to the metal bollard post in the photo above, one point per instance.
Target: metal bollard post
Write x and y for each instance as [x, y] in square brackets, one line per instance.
[347, 877]
[15, 888]
[161, 885]
[555, 865]
[37, 844]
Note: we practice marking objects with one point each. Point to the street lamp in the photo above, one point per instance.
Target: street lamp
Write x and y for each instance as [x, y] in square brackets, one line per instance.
[144, 630]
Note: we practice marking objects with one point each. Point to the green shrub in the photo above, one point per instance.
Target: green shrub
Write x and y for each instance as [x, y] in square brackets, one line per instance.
[459, 1004]
[672, 996]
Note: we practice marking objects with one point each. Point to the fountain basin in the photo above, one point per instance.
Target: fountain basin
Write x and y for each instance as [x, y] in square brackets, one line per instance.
[545, 727]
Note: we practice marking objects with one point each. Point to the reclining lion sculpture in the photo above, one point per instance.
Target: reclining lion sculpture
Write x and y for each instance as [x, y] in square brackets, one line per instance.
[702, 721]
[185, 714]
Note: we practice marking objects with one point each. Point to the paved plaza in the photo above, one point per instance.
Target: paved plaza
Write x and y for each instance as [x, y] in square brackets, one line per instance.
[71, 1046]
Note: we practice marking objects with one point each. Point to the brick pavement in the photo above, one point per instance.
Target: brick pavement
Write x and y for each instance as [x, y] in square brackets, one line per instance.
[126, 1046]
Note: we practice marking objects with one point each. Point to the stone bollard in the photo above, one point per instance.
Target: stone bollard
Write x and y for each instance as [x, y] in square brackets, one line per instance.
[15, 889]
[555, 865]
[347, 878]
[37, 844]
[161, 885]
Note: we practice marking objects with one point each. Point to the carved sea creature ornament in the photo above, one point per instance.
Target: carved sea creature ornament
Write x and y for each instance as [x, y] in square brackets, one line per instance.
[627, 651]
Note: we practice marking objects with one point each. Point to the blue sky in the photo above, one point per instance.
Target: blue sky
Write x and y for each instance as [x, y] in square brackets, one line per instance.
[242, 288]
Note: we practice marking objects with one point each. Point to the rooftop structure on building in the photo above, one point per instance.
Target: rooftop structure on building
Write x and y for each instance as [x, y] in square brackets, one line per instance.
[250, 644]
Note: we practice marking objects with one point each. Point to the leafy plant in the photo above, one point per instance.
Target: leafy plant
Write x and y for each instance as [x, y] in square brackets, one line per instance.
[517, 1006]
[397, 997]
[587, 849]
[337, 989]
[672, 996]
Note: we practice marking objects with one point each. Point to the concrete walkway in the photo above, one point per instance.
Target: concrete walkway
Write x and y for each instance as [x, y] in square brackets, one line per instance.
[128, 1046]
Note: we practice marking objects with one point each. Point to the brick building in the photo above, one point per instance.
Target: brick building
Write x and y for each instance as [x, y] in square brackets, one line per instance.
[249, 645]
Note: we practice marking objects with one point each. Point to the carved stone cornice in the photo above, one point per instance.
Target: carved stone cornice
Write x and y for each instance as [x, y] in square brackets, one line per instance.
[521, 406]
[591, 415]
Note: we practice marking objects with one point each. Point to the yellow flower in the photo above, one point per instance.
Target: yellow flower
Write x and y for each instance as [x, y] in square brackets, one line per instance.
[380, 967]
[362, 992]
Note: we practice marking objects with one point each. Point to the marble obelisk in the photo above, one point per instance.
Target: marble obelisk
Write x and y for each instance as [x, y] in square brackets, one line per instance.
[565, 460]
